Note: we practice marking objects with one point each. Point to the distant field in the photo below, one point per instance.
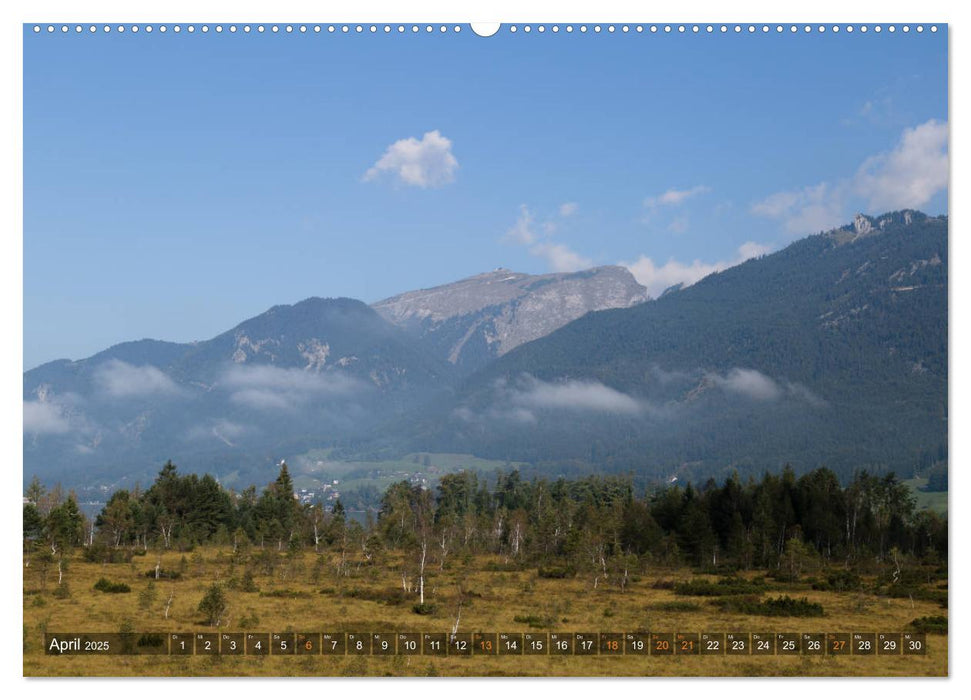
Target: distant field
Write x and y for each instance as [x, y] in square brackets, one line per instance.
[934, 500]
[301, 592]
[313, 469]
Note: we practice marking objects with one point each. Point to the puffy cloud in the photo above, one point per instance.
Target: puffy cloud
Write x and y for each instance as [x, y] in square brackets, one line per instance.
[656, 278]
[121, 380]
[911, 174]
[44, 418]
[266, 387]
[424, 163]
[674, 197]
[906, 177]
[568, 209]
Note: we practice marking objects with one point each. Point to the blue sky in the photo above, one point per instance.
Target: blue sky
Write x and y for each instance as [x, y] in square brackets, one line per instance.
[177, 184]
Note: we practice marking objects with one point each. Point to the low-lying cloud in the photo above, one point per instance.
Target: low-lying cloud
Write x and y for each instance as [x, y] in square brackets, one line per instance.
[755, 385]
[273, 388]
[121, 380]
[747, 382]
[45, 418]
[522, 400]
[575, 395]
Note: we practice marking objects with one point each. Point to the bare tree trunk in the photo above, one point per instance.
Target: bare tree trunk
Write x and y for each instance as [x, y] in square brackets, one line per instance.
[421, 572]
[168, 604]
[458, 617]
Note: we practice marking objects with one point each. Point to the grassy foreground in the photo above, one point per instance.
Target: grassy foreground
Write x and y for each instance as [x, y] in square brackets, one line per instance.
[300, 592]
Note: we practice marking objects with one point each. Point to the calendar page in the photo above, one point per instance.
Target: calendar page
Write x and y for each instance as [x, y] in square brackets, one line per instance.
[569, 349]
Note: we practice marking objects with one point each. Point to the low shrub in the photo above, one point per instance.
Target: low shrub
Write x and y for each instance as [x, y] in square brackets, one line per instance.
[676, 606]
[783, 606]
[106, 586]
[285, 593]
[936, 624]
[723, 586]
[533, 620]
[842, 580]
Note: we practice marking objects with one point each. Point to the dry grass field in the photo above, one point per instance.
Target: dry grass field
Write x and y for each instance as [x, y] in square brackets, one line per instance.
[303, 594]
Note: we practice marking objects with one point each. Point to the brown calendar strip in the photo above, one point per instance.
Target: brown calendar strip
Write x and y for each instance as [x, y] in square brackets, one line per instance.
[634, 644]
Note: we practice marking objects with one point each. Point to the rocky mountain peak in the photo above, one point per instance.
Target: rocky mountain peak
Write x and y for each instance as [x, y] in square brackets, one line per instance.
[481, 317]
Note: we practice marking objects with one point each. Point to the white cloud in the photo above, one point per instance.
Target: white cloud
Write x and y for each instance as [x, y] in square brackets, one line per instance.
[418, 163]
[757, 386]
[809, 210]
[907, 177]
[747, 382]
[576, 395]
[121, 380]
[674, 197]
[272, 388]
[520, 401]
[911, 174]
[656, 278]
[44, 418]
[568, 209]
[751, 249]
[558, 256]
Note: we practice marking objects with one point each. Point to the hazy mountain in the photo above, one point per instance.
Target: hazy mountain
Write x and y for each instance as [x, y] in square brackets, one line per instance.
[832, 351]
[295, 376]
[472, 321]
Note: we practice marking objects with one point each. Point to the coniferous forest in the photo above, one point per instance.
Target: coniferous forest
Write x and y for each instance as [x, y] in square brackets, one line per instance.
[593, 527]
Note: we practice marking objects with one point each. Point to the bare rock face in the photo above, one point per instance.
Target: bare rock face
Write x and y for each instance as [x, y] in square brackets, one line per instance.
[862, 225]
[474, 320]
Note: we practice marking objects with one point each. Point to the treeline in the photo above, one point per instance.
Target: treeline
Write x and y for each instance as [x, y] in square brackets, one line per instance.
[596, 526]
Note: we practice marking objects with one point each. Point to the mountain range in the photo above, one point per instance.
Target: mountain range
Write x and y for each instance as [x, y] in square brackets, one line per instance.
[831, 351]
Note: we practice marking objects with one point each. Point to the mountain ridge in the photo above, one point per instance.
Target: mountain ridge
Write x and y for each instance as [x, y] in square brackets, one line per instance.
[833, 349]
